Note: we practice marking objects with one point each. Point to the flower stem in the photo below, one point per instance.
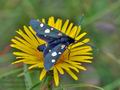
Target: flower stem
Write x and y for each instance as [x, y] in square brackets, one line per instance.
[47, 82]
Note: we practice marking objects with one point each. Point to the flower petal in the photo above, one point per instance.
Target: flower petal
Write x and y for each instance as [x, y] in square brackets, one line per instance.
[51, 21]
[80, 43]
[58, 24]
[60, 69]
[56, 76]
[73, 32]
[65, 26]
[69, 29]
[43, 73]
[80, 36]
[72, 74]
[78, 31]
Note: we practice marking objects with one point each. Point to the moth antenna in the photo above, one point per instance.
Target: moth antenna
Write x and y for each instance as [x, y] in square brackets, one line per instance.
[79, 23]
[81, 19]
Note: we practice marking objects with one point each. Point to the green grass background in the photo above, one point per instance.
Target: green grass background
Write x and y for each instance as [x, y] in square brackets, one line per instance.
[101, 21]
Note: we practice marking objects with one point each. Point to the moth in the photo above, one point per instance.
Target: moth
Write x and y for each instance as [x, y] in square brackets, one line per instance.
[57, 42]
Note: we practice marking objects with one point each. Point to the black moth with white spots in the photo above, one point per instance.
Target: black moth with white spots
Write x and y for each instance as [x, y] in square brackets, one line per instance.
[57, 42]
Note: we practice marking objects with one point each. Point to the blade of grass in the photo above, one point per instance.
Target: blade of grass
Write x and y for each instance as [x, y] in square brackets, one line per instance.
[46, 83]
[112, 85]
[29, 8]
[104, 12]
[10, 72]
[111, 56]
[82, 85]
[35, 85]
[28, 81]
[62, 88]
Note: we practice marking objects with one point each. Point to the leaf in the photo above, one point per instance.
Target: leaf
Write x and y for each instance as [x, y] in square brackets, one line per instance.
[10, 72]
[35, 85]
[112, 85]
[28, 81]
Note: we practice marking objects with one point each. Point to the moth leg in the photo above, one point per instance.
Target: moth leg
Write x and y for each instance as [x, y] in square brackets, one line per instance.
[69, 53]
[41, 47]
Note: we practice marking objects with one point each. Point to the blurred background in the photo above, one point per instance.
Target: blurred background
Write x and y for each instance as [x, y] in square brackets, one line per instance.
[101, 21]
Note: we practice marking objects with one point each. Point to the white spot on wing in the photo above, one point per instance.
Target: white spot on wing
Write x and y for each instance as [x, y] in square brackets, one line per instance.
[53, 60]
[51, 28]
[59, 52]
[45, 35]
[49, 50]
[62, 46]
[59, 34]
[41, 25]
[47, 31]
[54, 54]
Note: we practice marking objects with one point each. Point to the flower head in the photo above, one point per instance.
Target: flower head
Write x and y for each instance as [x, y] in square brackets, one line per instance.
[72, 58]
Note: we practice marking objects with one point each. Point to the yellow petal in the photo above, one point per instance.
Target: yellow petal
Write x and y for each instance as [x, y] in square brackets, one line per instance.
[31, 36]
[65, 26]
[51, 21]
[27, 61]
[34, 66]
[80, 36]
[56, 76]
[73, 32]
[72, 67]
[77, 66]
[81, 48]
[78, 31]
[82, 59]
[58, 24]
[22, 48]
[23, 54]
[24, 42]
[19, 61]
[66, 67]
[80, 43]
[21, 33]
[60, 69]
[72, 74]
[43, 20]
[69, 28]
[81, 53]
[38, 39]
[72, 62]
[43, 73]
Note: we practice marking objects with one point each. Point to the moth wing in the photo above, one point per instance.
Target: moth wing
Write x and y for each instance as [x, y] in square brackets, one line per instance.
[45, 32]
[52, 53]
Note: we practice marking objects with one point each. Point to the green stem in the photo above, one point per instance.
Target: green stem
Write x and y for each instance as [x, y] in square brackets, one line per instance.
[28, 81]
[47, 82]
[11, 72]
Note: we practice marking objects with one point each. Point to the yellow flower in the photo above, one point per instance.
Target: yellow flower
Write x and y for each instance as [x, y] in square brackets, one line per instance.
[71, 60]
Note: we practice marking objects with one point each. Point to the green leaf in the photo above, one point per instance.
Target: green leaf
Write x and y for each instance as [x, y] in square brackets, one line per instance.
[112, 85]
[28, 81]
[11, 72]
